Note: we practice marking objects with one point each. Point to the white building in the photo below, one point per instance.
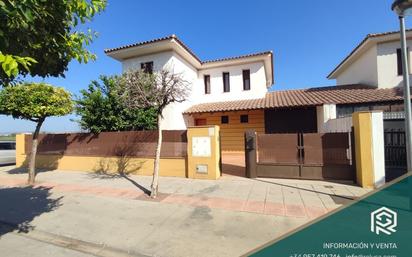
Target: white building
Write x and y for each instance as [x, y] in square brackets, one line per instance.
[376, 61]
[228, 79]
[232, 92]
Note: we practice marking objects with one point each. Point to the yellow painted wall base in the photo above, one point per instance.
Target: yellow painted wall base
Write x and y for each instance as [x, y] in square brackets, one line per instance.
[212, 162]
[175, 167]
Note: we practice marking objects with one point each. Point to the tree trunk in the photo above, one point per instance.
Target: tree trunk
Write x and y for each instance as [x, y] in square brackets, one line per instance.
[32, 163]
[155, 181]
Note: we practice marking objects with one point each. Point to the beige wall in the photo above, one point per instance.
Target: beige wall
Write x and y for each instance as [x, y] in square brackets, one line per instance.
[169, 167]
[232, 134]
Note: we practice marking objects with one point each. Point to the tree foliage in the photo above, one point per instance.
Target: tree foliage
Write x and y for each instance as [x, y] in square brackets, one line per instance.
[100, 109]
[35, 102]
[39, 37]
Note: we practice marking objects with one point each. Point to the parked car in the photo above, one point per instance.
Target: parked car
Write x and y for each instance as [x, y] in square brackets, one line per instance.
[7, 152]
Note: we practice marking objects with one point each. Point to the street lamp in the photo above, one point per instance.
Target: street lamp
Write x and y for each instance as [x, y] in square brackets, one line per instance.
[404, 8]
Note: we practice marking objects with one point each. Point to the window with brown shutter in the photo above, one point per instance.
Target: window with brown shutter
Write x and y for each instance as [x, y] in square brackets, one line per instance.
[206, 79]
[226, 82]
[246, 79]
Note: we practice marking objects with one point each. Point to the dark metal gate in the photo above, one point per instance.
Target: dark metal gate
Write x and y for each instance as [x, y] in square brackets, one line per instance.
[395, 154]
[300, 155]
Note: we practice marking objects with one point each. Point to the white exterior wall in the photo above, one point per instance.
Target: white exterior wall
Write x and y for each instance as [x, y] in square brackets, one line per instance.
[378, 149]
[362, 71]
[325, 113]
[257, 83]
[387, 64]
[172, 115]
[338, 125]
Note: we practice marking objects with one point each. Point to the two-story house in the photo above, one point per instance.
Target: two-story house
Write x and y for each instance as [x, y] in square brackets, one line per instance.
[224, 80]
[232, 92]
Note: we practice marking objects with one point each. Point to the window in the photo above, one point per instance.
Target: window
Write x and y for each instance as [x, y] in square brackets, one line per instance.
[224, 119]
[147, 67]
[246, 79]
[244, 118]
[206, 78]
[226, 82]
[399, 60]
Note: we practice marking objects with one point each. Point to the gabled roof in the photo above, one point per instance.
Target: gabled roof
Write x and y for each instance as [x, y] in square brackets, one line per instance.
[172, 42]
[173, 36]
[367, 42]
[346, 94]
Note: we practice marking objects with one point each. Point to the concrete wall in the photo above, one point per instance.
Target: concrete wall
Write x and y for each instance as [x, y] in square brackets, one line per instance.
[324, 113]
[387, 64]
[232, 134]
[170, 167]
[369, 149]
[362, 71]
[338, 125]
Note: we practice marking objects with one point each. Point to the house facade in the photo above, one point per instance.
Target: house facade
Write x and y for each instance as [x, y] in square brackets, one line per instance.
[233, 92]
[228, 79]
[376, 61]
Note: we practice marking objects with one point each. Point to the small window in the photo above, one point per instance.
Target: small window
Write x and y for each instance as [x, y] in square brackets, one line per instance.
[224, 119]
[226, 82]
[206, 79]
[244, 118]
[147, 67]
[399, 61]
[246, 79]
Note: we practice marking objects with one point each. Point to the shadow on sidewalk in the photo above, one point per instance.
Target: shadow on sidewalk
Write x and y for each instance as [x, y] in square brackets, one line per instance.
[100, 174]
[19, 206]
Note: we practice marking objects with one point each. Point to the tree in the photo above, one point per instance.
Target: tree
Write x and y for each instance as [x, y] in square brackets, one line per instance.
[40, 37]
[35, 102]
[100, 109]
[158, 90]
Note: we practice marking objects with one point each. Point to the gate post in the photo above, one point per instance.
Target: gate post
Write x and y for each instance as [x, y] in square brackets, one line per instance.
[250, 154]
[369, 148]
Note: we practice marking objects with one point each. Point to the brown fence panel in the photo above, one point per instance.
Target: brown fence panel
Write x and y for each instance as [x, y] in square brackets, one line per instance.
[326, 148]
[277, 148]
[130, 143]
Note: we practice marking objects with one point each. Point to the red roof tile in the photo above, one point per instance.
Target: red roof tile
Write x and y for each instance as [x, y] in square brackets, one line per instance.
[347, 94]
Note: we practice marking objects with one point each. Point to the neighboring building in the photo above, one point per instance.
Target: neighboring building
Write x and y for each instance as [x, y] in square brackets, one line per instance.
[376, 61]
[233, 92]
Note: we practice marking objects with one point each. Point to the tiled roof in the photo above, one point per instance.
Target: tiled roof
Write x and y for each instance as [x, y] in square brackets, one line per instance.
[173, 36]
[238, 57]
[369, 36]
[347, 94]
[186, 48]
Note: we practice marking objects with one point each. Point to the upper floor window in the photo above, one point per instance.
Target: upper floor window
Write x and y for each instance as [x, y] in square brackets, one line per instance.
[147, 67]
[246, 79]
[226, 82]
[206, 79]
[399, 60]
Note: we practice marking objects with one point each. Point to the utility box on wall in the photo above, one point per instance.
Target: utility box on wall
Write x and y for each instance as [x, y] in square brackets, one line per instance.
[203, 152]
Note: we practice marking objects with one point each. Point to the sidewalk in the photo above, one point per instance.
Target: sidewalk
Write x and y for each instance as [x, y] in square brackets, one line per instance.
[188, 217]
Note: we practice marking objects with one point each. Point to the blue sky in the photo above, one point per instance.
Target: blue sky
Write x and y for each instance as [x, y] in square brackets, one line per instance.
[308, 38]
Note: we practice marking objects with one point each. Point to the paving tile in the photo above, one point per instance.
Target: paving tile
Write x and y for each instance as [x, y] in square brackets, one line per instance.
[254, 206]
[295, 210]
[277, 209]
